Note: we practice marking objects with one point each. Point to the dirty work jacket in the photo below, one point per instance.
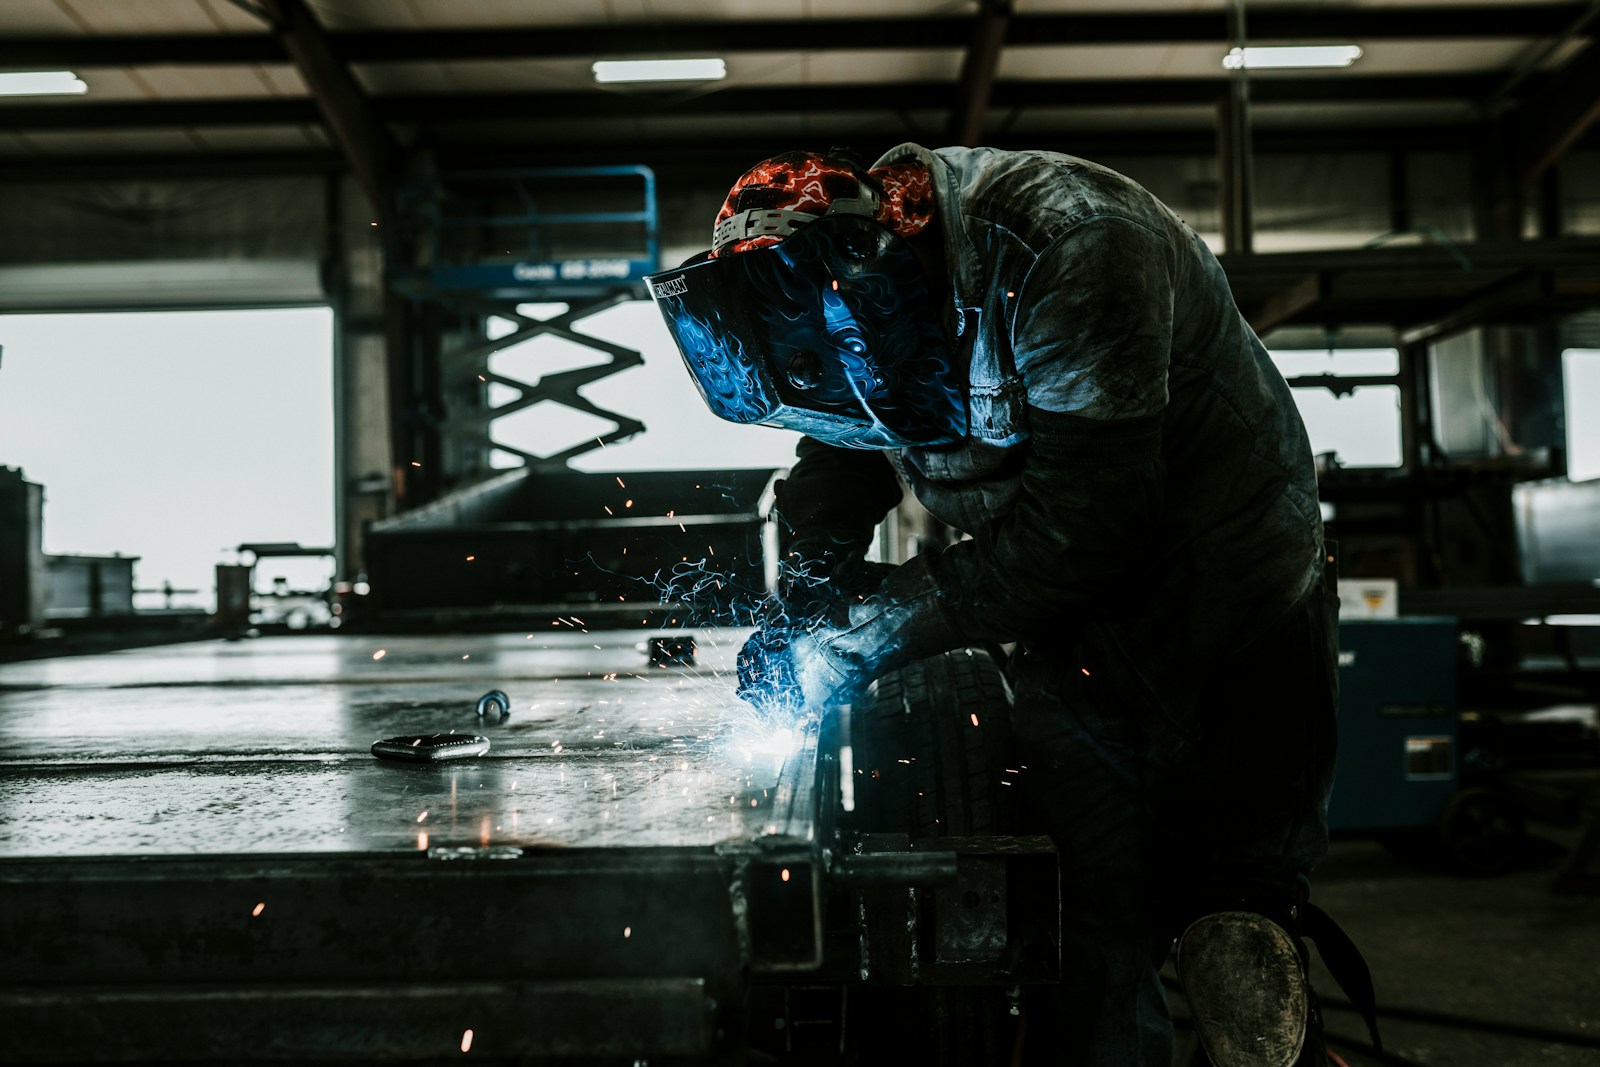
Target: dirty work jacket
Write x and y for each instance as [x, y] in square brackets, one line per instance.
[1136, 481]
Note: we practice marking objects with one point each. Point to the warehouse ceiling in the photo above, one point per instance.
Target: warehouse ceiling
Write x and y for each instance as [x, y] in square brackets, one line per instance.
[191, 81]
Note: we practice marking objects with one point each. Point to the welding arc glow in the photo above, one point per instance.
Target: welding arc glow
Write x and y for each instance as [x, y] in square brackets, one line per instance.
[778, 743]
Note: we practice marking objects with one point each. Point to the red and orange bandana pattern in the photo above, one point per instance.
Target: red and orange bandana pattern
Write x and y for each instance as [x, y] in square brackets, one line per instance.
[809, 182]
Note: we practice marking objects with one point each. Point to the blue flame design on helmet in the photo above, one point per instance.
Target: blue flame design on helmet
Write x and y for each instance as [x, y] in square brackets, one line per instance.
[833, 333]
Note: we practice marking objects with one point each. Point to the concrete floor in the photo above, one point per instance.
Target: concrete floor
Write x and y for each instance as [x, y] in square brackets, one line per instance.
[1494, 950]
[262, 747]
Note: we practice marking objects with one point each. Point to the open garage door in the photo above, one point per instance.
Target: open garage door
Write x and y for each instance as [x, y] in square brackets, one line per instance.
[174, 437]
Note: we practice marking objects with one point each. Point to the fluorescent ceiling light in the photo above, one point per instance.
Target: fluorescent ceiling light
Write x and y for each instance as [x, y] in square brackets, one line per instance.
[1307, 55]
[659, 70]
[42, 83]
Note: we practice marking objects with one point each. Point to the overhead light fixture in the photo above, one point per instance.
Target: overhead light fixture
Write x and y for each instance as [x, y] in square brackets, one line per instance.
[42, 83]
[659, 70]
[1268, 57]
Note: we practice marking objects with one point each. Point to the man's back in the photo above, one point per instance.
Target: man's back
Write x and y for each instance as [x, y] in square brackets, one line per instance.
[1096, 301]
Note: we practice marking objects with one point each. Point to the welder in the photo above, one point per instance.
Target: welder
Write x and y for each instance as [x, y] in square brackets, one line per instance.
[1052, 361]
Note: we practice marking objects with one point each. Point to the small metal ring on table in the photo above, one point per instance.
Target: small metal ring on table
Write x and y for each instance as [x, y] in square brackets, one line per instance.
[496, 700]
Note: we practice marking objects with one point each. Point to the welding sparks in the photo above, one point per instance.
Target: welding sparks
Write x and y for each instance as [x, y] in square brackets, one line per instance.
[256, 911]
[785, 874]
[974, 718]
[466, 1041]
[382, 652]
[627, 931]
[421, 817]
[422, 840]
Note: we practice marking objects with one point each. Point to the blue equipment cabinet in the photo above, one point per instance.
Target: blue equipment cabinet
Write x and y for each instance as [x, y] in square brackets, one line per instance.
[1399, 762]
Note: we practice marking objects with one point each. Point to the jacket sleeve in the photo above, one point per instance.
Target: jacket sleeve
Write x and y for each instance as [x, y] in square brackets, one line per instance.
[1091, 335]
[834, 497]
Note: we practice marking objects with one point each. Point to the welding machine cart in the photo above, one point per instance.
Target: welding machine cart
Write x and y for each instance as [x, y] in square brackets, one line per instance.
[1400, 776]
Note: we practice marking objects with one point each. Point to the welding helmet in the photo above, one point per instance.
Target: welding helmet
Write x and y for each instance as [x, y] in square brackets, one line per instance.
[816, 319]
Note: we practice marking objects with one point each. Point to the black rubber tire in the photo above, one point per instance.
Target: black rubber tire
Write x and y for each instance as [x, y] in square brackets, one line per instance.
[930, 744]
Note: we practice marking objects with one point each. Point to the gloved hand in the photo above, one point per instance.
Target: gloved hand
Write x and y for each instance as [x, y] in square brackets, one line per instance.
[767, 676]
[794, 669]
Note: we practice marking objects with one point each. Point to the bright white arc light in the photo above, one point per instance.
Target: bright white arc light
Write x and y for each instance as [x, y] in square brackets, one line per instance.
[42, 83]
[1284, 56]
[659, 70]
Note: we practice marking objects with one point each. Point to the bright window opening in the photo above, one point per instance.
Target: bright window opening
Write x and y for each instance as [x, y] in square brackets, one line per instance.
[175, 437]
[1361, 427]
[1581, 372]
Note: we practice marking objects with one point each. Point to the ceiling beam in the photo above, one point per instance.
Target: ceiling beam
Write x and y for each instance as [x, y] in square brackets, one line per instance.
[455, 108]
[715, 156]
[1494, 303]
[342, 104]
[292, 163]
[1550, 121]
[1326, 23]
[1294, 300]
[978, 67]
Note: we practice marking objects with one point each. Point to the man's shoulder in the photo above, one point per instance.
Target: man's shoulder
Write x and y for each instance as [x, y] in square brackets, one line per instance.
[1039, 196]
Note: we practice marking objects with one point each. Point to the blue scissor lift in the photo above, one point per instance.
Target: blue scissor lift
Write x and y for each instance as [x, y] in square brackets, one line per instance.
[542, 539]
[497, 239]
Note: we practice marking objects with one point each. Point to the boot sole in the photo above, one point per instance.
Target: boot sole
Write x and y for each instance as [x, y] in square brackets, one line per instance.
[1242, 978]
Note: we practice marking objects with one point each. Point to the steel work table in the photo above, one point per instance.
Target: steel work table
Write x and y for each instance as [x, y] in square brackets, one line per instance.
[263, 747]
[200, 860]
[200, 831]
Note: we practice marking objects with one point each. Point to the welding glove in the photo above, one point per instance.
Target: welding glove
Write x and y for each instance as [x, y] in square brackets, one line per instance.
[766, 671]
[908, 618]
[830, 504]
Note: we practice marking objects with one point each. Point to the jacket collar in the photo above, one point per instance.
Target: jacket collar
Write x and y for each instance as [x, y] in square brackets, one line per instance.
[960, 256]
